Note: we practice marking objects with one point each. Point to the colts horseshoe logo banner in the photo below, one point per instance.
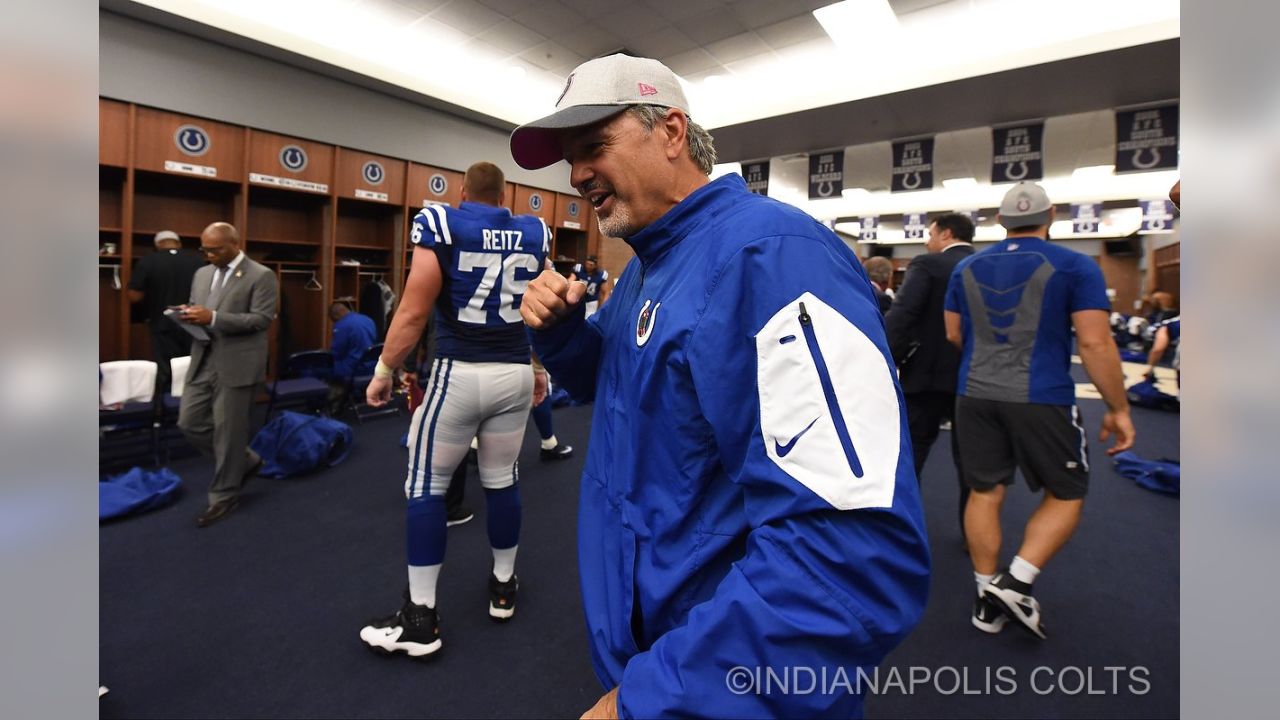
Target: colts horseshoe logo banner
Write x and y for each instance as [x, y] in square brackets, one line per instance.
[914, 225]
[870, 228]
[757, 176]
[912, 165]
[826, 175]
[1018, 153]
[1085, 218]
[1157, 216]
[1147, 139]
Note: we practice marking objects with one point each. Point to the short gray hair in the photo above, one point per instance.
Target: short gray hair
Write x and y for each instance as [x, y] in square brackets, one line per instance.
[879, 269]
[702, 149]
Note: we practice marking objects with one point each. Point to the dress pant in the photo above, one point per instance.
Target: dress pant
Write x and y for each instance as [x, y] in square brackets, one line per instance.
[925, 412]
[215, 419]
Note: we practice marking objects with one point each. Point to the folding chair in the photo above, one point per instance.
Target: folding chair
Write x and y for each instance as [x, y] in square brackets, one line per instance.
[127, 422]
[359, 383]
[303, 382]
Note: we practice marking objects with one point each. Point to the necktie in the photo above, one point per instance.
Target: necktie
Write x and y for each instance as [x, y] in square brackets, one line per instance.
[219, 283]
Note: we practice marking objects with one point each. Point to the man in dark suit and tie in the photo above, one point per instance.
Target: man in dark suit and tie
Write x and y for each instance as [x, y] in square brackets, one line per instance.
[918, 339]
[234, 300]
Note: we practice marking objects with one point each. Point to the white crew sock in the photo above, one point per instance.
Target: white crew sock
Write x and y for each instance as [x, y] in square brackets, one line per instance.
[1023, 571]
[422, 584]
[982, 580]
[504, 563]
[550, 443]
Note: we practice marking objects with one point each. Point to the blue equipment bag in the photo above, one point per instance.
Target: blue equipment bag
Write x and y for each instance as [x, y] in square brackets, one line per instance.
[136, 491]
[294, 443]
[1163, 476]
[1146, 394]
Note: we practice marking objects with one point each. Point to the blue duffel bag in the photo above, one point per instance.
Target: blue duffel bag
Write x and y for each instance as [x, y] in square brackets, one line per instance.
[293, 443]
[136, 491]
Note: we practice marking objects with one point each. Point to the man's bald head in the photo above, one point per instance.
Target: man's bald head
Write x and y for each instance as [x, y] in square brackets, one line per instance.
[220, 243]
[225, 230]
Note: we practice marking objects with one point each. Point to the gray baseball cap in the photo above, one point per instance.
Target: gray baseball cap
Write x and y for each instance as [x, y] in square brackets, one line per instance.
[595, 90]
[166, 235]
[1026, 204]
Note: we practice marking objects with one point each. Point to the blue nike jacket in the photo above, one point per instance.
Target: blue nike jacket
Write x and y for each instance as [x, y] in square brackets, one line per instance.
[748, 499]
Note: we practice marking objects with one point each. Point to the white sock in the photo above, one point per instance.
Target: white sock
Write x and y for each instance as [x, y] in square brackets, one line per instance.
[1023, 571]
[504, 563]
[550, 443]
[982, 580]
[422, 584]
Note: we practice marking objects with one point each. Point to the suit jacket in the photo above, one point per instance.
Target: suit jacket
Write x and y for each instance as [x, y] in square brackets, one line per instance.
[916, 320]
[245, 310]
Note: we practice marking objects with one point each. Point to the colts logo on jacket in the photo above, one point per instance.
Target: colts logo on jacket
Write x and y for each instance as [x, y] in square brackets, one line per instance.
[645, 321]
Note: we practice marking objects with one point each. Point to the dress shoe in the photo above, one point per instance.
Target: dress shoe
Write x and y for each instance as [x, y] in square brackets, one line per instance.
[216, 512]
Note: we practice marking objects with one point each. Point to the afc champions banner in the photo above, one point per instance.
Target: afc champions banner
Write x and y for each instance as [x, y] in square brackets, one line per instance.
[826, 175]
[757, 176]
[870, 228]
[912, 165]
[914, 225]
[1085, 218]
[1157, 216]
[1017, 153]
[1147, 139]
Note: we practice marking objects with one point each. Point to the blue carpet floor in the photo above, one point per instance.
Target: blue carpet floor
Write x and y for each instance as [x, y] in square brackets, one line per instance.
[259, 616]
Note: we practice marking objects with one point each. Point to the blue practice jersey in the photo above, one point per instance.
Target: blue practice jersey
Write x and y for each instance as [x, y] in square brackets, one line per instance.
[1015, 301]
[593, 280]
[487, 258]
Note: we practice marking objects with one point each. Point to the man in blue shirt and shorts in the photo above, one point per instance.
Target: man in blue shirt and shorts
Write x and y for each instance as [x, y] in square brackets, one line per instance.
[1011, 309]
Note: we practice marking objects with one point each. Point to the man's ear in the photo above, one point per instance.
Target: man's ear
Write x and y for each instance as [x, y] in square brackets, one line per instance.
[676, 126]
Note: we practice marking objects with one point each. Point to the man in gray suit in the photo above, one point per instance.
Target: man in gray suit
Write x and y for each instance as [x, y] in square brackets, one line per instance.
[234, 299]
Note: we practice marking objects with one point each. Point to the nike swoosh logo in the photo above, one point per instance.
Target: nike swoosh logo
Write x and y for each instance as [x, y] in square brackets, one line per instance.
[784, 450]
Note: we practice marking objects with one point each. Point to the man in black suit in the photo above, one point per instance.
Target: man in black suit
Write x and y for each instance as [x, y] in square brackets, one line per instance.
[918, 339]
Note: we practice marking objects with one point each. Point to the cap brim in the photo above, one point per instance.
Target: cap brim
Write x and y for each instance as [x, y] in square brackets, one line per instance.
[536, 145]
[1019, 221]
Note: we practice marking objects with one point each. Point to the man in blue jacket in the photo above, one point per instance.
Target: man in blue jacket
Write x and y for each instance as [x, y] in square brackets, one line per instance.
[353, 333]
[746, 512]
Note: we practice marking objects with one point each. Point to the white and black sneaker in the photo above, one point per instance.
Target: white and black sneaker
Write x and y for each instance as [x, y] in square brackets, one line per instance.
[414, 630]
[987, 617]
[502, 598]
[459, 515]
[1013, 597]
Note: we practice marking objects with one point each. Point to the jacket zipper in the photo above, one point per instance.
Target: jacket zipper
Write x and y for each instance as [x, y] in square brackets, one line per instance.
[829, 390]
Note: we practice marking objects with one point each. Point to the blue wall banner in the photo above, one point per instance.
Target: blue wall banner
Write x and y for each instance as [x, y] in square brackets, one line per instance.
[1086, 217]
[912, 165]
[914, 224]
[757, 176]
[1157, 216]
[826, 175]
[1147, 139]
[870, 228]
[1018, 153]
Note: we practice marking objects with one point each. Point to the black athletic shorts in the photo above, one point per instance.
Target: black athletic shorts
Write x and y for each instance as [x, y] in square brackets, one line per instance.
[1046, 442]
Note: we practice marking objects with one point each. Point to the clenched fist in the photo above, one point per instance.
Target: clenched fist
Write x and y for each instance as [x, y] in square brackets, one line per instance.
[549, 298]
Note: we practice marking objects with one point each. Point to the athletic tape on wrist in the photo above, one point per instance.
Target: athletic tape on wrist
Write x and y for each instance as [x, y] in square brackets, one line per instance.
[382, 370]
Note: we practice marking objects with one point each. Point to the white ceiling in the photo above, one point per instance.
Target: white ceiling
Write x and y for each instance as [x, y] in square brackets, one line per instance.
[742, 60]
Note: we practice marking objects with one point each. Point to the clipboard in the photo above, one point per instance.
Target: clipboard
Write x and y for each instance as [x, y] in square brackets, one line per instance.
[195, 331]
